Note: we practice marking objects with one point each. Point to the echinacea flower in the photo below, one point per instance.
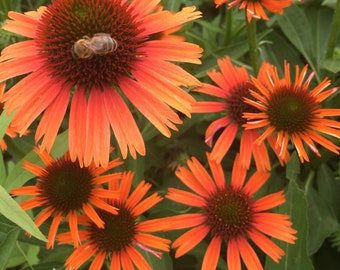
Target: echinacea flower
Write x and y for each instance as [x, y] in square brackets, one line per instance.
[123, 234]
[100, 54]
[233, 85]
[290, 111]
[10, 131]
[228, 214]
[64, 191]
[255, 8]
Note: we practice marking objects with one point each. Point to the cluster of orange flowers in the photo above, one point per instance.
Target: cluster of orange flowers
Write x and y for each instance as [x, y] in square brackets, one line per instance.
[134, 64]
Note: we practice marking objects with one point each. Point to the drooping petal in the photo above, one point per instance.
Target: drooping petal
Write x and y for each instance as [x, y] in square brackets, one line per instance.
[53, 230]
[189, 240]
[136, 196]
[97, 131]
[21, 24]
[183, 221]
[201, 174]
[153, 225]
[189, 179]
[172, 50]
[22, 92]
[238, 175]
[214, 127]
[80, 255]
[212, 254]
[153, 241]
[92, 214]
[77, 125]
[248, 254]
[166, 91]
[217, 172]
[73, 222]
[33, 168]
[137, 258]
[98, 261]
[260, 154]
[211, 90]
[185, 197]
[161, 21]
[224, 142]
[103, 205]
[209, 107]
[120, 118]
[268, 202]
[125, 186]
[18, 66]
[256, 181]
[115, 261]
[24, 48]
[143, 8]
[159, 114]
[275, 225]
[169, 71]
[35, 106]
[146, 204]
[126, 261]
[50, 122]
[266, 245]
[233, 255]
[31, 203]
[26, 190]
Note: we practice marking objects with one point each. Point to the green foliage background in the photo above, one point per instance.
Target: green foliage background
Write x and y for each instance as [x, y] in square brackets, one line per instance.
[300, 36]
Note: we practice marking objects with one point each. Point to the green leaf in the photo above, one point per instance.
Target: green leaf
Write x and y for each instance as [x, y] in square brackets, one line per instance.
[23, 253]
[293, 168]
[234, 50]
[330, 3]
[2, 169]
[296, 256]
[332, 65]
[276, 50]
[12, 211]
[163, 263]
[8, 5]
[323, 208]
[322, 221]
[320, 19]
[296, 27]
[173, 5]
[5, 120]
[8, 238]
[137, 166]
[328, 187]
[18, 176]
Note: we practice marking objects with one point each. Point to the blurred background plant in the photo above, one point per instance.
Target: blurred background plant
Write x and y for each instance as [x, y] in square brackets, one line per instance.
[300, 36]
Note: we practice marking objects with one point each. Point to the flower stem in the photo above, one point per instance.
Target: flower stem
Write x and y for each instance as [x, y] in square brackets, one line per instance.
[252, 42]
[228, 23]
[334, 31]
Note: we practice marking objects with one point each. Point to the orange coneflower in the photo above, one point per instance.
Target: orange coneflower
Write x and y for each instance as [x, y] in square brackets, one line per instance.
[123, 234]
[290, 111]
[99, 53]
[233, 85]
[10, 131]
[64, 190]
[254, 8]
[228, 214]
